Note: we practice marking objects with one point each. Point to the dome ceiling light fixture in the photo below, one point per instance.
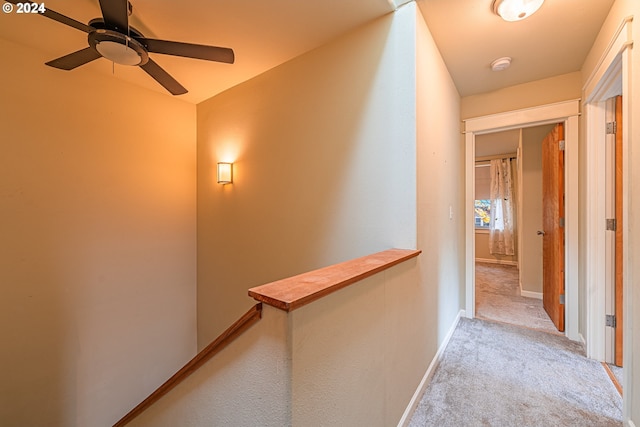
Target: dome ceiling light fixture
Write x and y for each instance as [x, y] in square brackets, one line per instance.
[516, 10]
[501, 64]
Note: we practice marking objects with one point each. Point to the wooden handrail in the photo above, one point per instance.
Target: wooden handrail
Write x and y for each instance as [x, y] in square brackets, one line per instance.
[294, 292]
[235, 330]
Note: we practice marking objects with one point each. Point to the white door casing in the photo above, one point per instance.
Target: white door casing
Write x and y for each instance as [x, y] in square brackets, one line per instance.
[563, 112]
[611, 76]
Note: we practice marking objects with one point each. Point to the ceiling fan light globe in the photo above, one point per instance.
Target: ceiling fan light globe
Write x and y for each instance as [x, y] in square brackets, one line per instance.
[118, 47]
[516, 10]
[118, 53]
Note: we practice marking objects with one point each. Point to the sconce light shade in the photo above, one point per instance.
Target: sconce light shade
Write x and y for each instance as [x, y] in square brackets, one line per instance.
[225, 173]
[516, 10]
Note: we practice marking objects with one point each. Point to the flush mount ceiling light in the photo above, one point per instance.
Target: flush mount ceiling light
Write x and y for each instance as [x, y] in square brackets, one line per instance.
[501, 64]
[516, 10]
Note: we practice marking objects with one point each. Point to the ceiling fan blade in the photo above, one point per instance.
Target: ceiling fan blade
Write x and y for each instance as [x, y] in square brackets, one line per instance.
[162, 77]
[75, 59]
[59, 17]
[189, 50]
[115, 14]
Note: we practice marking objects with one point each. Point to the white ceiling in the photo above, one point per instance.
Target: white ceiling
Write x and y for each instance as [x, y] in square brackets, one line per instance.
[553, 41]
[265, 34]
[491, 144]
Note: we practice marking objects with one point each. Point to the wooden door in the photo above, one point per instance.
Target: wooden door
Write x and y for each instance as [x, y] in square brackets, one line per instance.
[618, 238]
[553, 225]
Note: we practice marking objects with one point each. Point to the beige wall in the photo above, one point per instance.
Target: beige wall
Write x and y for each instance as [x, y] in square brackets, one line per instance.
[312, 188]
[531, 259]
[352, 368]
[97, 246]
[540, 92]
[483, 254]
[324, 155]
[440, 194]
[620, 10]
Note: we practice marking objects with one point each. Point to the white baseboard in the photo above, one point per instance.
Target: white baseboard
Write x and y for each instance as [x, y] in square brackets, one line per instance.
[582, 340]
[529, 294]
[496, 261]
[415, 400]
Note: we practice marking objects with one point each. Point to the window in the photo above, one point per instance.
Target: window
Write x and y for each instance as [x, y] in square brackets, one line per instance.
[482, 205]
[482, 213]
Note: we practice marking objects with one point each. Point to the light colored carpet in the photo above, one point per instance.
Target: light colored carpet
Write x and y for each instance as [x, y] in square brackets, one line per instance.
[498, 298]
[494, 374]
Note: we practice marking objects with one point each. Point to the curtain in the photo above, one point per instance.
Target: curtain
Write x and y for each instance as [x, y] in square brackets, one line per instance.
[502, 223]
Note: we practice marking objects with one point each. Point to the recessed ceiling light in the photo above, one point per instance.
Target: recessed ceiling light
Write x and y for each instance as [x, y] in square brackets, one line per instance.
[501, 63]
[516, 10]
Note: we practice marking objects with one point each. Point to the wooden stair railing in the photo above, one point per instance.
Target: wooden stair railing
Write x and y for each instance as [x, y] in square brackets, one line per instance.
[234, 331]
[294, 292]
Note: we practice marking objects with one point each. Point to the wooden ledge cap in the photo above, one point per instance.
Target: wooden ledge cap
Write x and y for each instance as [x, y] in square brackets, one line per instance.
[294, 292]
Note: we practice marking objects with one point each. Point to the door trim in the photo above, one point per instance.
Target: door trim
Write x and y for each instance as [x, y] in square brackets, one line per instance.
[566, 112]
[612, 76]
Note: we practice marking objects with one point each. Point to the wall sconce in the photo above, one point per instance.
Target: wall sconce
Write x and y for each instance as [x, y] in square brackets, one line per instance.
[225, 173]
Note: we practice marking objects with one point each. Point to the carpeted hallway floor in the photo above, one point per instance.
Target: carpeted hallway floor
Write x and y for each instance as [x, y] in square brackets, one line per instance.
[495, 374]
[498, 298]
[511, 367]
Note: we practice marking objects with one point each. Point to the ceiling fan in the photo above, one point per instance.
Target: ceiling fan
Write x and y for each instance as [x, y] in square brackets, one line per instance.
[112, 38]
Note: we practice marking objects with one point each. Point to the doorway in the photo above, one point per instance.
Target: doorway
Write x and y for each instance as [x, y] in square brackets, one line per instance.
[566, 113]
[509, 288]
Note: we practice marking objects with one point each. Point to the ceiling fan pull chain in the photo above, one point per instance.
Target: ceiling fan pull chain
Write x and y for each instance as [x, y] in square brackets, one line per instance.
[129, 13]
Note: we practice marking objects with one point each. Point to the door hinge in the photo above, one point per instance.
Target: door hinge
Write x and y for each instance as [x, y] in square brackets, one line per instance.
[611, 224]
[561, 299]
[561, 222]
[612, 128]
[561, 145]
[610, 320]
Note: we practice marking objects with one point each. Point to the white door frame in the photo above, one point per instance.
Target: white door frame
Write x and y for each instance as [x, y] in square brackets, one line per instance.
[609, 254]
[563, 112]
[611, 77]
